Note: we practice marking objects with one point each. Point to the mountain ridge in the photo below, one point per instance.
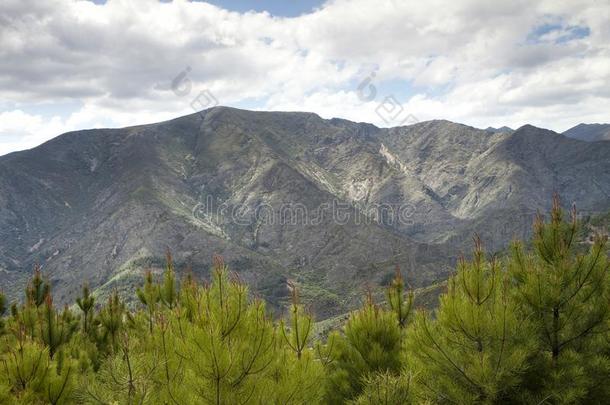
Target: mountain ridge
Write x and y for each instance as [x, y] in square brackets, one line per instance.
[103, 205]
[589, 132]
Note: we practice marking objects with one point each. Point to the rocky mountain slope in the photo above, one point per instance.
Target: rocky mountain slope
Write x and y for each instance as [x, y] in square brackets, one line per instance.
[330, 205]
[589, 132]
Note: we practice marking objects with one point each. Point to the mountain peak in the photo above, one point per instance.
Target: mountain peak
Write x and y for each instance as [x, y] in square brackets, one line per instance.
[503, 129]
[529, 127]
[589, 132]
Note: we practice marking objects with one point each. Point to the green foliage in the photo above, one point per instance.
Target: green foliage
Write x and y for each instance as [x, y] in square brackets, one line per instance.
[29, 375]
[2, 312]
[149, 295]
[566, 294]
[371, 343]
[123, 378]
[37, 289]
[301, 324]
[112, 321]
[470, 353]
[400, 305]
[385, 388]
[212, 345]
[533, 329]
[85, 303]
[55, 329]
[168, 290]
[230, 344]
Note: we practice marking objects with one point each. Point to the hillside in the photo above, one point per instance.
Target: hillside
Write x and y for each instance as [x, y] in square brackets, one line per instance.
[259, 188]
[589, 132]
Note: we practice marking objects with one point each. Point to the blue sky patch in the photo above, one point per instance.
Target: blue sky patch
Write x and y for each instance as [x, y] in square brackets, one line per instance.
[557, 32]
[279, 8]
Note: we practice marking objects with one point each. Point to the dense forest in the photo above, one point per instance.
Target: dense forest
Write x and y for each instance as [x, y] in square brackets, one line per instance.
[530, 327]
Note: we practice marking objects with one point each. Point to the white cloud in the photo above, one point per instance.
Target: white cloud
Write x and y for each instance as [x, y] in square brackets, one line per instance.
[474, 61]
[19, 130]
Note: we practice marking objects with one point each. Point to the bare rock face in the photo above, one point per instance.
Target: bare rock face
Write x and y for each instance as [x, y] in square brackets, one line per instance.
[332, 205]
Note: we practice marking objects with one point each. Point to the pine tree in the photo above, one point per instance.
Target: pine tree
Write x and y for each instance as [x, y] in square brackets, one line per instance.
[37, 289]
[228, 348]
[125, 377]
[61, 380]
[400, 305]
[111, 320]
[567, 295]
[296, 373]
[168, 290]
[149, 295]
[189, 298]
[27, 316]
[55, 329]
[293, 380]
[301, 323]
[24, 369]
[32, 377]
[171, 372]
[86, 303]
[371, 343]
[477, 348]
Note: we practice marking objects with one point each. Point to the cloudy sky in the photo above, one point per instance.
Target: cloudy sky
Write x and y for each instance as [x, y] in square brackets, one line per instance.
[67, 65]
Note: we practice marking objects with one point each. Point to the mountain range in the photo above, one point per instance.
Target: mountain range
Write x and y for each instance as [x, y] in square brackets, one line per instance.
[589, 132]
[287, 198]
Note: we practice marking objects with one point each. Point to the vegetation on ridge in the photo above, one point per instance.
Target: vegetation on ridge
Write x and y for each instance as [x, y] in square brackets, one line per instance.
[531, 327]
